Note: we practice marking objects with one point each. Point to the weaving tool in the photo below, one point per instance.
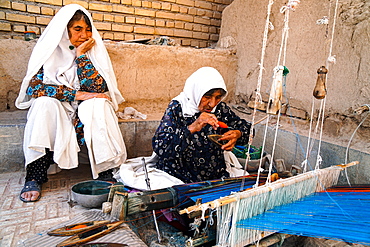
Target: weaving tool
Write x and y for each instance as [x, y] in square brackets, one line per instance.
[215, 139]
[148, 184]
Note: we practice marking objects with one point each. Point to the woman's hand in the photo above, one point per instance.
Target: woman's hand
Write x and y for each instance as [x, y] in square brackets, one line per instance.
[86, 95]
[85, 47]
[203, 119]
[231, 136]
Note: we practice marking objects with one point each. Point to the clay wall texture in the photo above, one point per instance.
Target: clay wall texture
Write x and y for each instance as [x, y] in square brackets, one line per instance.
[308, 45]
[189, 22]
[308, 48]
[148, 76]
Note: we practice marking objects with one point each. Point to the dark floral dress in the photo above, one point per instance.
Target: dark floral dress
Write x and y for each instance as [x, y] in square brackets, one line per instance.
[193, 157]
[90, 81]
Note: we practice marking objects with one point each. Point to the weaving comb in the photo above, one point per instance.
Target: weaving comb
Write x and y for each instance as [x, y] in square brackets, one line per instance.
[214, 138]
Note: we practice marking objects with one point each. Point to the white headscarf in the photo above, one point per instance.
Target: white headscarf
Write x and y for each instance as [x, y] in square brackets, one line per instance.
[199, 83]
[52, 51]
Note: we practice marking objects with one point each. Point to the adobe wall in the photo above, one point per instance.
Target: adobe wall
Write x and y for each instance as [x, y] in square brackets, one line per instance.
[193, 23]
[148, 76]
[308, 44]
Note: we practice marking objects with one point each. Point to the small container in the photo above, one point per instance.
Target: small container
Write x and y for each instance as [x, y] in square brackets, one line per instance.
[92, 193]
[29, 35]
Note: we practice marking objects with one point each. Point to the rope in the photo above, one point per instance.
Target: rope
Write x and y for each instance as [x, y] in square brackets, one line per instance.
[305, 162]
[330, 60]
[258, 98]
[263, 149]
[319, 159]
[332, 32]
[350, 140]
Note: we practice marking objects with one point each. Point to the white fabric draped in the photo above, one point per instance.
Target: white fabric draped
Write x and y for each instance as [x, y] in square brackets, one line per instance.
[132, 174]
[49, 122]
[50, 126]
[106, 148]
[52, 51]
[102, 135]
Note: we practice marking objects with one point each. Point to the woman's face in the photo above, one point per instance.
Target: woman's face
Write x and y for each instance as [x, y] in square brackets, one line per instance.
[79, 32]
[208, 102]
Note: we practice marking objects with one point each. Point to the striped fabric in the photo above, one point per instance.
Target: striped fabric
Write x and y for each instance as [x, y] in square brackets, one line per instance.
[122, 235]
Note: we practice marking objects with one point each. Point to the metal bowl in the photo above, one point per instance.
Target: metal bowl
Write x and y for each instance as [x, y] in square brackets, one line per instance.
[91, 194]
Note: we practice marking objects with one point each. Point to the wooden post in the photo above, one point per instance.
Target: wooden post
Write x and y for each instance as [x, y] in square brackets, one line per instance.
[119, 207]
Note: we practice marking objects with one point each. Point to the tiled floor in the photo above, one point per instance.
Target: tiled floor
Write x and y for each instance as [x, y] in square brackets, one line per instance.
[20, 221]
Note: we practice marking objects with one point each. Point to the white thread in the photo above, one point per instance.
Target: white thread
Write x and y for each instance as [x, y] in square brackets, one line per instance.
[259, 82]
[189, 242]
[350, 140]
[291, 5]
[321, 131]
[195, 226]
[204, 208]
[318, 162]
[304, 165]
[309, 135]
[263, 149]
[271, 26]
[332, 59]
[323, 21]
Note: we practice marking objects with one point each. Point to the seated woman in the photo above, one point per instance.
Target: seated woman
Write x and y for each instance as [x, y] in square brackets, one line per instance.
[71, 90]
[181, 141]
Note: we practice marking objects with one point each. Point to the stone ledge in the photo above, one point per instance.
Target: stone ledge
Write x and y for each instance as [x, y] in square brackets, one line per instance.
[137, 134]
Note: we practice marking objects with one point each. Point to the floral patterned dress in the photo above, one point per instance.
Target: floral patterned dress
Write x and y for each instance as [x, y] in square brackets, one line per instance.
[193, 157]
[90, 81]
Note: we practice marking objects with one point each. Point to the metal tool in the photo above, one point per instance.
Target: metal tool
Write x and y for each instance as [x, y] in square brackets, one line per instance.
[148, 186]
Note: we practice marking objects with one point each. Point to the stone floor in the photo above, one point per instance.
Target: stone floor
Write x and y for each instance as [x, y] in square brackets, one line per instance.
[19, 220]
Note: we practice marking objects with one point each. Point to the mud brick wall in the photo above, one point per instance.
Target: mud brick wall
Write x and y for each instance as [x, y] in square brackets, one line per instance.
[193, 23]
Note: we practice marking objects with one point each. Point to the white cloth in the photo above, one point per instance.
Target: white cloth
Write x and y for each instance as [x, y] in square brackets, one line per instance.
[233, 166]
[52, 52]
[200, 82]
[132, 174]
[102, 135]
[55, 131]
[130, 113]
[49, 126]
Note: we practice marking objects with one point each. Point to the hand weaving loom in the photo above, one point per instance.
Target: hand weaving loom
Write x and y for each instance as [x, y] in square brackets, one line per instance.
[235, 209]
[251, 202]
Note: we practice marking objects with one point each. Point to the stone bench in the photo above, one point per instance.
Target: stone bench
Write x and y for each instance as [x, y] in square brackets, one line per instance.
[137, 134]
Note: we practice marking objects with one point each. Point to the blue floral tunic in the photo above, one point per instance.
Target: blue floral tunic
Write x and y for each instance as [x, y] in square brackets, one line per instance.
[193, 157]
[90, 81]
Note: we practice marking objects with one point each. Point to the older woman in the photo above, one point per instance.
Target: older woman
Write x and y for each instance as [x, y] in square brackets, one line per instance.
[71, 90]
[181, 140]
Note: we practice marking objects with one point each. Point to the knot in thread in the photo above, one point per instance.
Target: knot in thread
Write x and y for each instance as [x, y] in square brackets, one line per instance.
[323, 21]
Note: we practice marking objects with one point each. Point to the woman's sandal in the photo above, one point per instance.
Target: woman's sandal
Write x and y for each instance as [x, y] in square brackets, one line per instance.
[30, 186]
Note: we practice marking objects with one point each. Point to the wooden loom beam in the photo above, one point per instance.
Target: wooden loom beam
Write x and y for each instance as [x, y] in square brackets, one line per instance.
[125, 204]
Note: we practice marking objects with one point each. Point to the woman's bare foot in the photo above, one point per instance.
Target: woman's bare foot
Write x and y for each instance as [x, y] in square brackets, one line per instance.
[31, 192]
